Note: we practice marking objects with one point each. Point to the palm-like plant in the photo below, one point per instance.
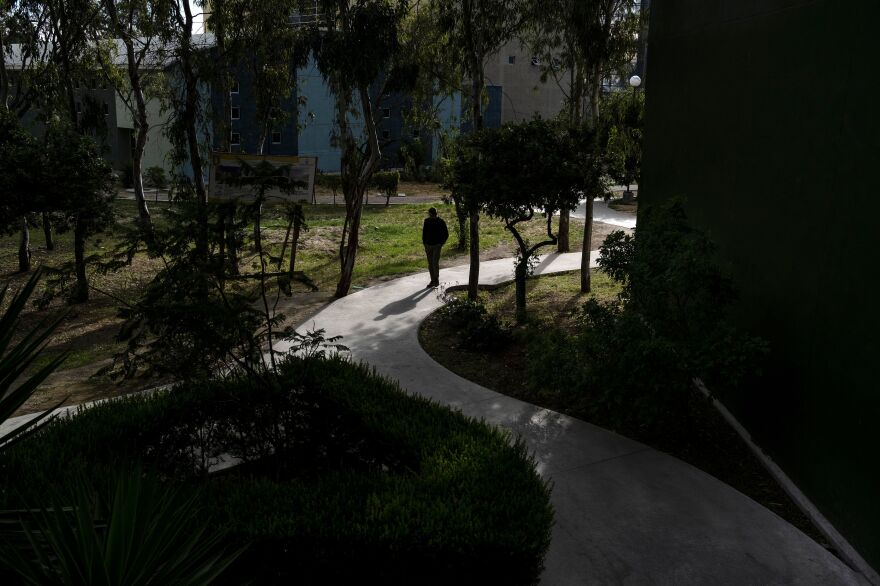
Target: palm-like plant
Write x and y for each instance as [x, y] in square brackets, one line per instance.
[137, 533]
[15, 360]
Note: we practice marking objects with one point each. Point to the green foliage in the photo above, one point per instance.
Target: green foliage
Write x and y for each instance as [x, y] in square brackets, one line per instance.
[636, 359]
[386, 183]
[512, 172]
[156, 177]
[137, 531]
[189, 321]
[476, 328]
[15, 359]
[20, 158]
[621, 122]
[343, 476]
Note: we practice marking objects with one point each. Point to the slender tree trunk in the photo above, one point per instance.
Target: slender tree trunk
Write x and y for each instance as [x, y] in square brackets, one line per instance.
[189, 120]
[24, 247]
[297, 226]
[520, 282]
[258, 236]
[137, 175]
[462, 217]
[473, 214]
[474, 273]
[350, 249]
[562, 244]
[81, 290]
[355, 186]
[588, 237]
[47, 231]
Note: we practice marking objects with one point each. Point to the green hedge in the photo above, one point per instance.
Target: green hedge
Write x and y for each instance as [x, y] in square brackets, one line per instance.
[345, 479]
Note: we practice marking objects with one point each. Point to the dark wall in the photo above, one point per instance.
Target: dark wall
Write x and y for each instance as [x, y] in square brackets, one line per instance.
[763, 116]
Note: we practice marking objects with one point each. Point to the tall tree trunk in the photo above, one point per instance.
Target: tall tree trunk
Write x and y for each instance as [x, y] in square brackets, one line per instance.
[297, 226]
[258, 239]
[474, 273]
[462, 218]
[473, 214]
[562, 244]
[190, 119]
[137, 175]
[24, 247]
[355, 181]
[350, 250]
[588, 238]
[81, 290]
[47, 231]
[520, 283]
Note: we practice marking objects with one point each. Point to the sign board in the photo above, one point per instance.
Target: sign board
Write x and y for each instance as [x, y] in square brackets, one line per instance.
[226, 168]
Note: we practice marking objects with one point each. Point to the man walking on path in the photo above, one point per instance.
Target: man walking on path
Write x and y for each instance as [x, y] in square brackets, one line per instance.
[434, 236]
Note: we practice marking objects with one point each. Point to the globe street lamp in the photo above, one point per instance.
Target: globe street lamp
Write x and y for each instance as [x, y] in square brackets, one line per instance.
[635, 81]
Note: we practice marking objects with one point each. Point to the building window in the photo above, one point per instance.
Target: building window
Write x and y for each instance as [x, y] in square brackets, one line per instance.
[511, 59]
[236, 112]
[386, 112]
[386, 135]
[234, 138]
[79, 108]
[106, 109]
[234, 89]
[276, 137]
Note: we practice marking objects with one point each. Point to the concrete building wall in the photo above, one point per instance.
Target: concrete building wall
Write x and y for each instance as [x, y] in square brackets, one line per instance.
[762, 116]
[523, 94]
[158, 145]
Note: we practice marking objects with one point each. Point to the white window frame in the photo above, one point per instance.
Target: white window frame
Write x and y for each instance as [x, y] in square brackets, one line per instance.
[386, 112]
[235, 87]
[276, 133]
[511, 59]
[235, 113]
[234, 139]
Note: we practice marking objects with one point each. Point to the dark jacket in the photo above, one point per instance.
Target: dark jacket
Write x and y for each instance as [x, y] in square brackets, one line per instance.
[434, 232]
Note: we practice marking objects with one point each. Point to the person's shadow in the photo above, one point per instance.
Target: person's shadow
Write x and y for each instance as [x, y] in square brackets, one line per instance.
[402, 305]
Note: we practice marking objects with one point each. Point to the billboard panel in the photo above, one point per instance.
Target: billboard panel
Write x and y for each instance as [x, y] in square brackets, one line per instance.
[228, 168]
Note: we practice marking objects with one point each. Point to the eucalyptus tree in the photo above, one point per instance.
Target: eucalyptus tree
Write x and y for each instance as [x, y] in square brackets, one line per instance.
[355, 44]
[80, 185]
[252, 39]
[19, 169]
[24, 49]
[474, 30]
[580, 43]
[139, 27]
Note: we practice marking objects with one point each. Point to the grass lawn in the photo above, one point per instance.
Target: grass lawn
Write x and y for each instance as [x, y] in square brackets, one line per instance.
[711, 444]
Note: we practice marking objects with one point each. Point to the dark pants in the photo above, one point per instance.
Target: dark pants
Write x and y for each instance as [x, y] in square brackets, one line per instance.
[433, 252]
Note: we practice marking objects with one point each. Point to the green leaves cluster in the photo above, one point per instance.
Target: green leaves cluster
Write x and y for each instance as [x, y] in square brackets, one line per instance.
[136, 531]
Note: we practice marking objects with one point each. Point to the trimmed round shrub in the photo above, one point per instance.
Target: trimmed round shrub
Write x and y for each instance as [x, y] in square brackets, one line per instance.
[340, 478]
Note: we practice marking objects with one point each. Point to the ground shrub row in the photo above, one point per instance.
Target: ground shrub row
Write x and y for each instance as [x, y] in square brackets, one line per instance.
[343, 477]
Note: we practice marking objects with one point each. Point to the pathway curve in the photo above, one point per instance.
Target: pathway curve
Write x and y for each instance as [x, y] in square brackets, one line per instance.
[606, 215]
[625, 513]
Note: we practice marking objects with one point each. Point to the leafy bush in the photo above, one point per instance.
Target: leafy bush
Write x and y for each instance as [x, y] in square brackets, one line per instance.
[633, 362]
[342, 476]
[476, 328]
[386, 183]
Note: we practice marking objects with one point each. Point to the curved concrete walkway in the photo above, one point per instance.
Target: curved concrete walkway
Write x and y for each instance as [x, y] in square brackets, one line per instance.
[606, 215]
[625, 513]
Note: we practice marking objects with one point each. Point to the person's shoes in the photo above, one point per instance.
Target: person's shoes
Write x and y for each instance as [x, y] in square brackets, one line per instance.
[433, 284]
